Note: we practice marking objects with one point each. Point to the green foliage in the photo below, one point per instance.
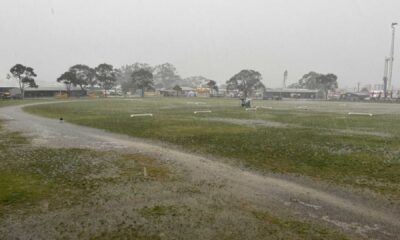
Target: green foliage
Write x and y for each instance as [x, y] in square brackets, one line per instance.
[178, 89]
[84, 76]
[24, 75]
[142, 79]
[246, 82]
[327, 82]
[78, 75]
[124, 74]
[106, 76]
[313, 80]
[68, 78]
[213, 85]
[165, 75]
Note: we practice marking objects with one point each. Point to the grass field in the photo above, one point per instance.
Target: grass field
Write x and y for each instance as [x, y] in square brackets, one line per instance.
[6, 103]
[83, 194]
[316, 139]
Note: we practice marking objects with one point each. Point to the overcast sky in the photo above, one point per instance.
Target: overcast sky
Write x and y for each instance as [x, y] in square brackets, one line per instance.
[213, 38]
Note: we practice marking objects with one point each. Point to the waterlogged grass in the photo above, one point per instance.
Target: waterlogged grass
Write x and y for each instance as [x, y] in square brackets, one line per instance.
[225, 221]
[298, 230]
[85, 191]
[321, 142]
[20, 188]
[12, 102]
[61, 177]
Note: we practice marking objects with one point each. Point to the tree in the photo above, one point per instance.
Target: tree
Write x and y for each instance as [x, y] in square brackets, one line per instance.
[246, 81]
[318, 81]
[365, 90]
[177, 88]
[195, 81]
[25, 77]
[327, 82]
[84, 76]
[213, 86]
[106, 76]
[67, 78]
[124, 74]
[142, 79]
[165, 75]
[308, 81]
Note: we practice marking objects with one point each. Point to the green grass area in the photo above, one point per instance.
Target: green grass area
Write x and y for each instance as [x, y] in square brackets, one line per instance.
[248, 225]
[314, 143]
[14, 102]
[75, 192]
[29, 174]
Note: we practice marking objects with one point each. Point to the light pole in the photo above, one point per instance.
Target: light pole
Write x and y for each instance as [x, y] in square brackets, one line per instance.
[385, 77]
[391, 58]
[285, 76]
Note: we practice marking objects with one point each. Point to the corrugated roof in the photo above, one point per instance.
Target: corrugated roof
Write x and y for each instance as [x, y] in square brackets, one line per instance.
[291, 90]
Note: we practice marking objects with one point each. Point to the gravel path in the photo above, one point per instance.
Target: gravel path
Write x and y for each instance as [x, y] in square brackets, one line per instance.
[357, 213]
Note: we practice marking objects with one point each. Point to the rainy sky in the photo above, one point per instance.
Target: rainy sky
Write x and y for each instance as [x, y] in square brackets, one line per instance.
[213, 38]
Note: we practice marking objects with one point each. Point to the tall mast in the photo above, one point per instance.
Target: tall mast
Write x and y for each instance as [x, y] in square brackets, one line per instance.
[285, 76]
[385, 76]
[390, 69]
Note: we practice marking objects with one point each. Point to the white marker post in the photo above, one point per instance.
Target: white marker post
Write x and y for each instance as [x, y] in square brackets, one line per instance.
[142, 115]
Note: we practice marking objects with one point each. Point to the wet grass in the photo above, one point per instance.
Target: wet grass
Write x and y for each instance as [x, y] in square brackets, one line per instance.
[226, 220]
[15, 102]
[29, 175]
[299, 230]
[314, 144]
[80, 193]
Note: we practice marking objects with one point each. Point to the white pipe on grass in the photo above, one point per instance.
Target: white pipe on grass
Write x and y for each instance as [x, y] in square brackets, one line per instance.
[142, 115]
[361, 114]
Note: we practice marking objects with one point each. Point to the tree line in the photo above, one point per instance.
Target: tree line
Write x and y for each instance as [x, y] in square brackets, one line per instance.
[142, 76]
[134, 76]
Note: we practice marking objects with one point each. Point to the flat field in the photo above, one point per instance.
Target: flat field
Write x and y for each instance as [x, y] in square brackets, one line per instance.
[71, 193]
[315, 139]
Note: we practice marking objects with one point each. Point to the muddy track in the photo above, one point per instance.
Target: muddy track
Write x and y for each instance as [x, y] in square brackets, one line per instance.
[354, 212]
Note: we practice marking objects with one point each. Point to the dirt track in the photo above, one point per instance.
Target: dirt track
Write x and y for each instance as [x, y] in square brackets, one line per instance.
[361, 214]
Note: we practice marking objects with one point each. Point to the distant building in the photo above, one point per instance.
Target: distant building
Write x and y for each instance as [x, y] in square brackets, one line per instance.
[279, 93]
[8, 92]
[42, 92]
[203, 92]
[354, 96]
